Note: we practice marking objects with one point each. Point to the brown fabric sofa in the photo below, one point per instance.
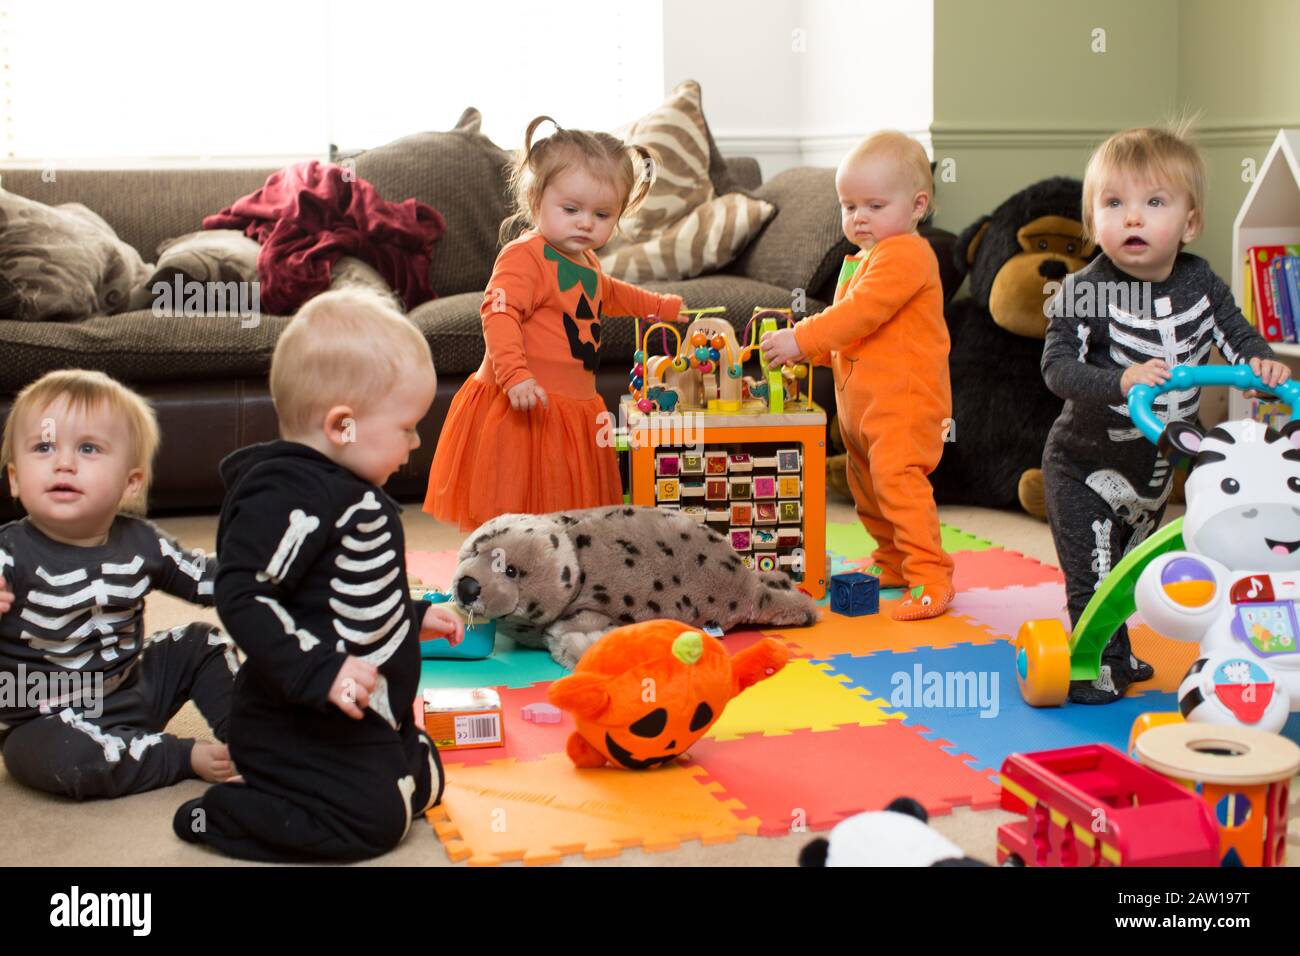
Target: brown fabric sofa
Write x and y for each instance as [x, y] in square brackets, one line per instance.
[207, 376]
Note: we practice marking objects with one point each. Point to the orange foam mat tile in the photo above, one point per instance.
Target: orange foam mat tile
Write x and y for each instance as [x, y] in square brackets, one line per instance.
[539, 811]
[1170, 658]
[836, 634]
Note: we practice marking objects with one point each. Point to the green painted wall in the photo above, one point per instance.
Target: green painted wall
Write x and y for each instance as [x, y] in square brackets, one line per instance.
[1021, 94]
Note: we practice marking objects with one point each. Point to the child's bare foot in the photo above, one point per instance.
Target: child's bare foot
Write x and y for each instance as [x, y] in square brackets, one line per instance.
[211, 761]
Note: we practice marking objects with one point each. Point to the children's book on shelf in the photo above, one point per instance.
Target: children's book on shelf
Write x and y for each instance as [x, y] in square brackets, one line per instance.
[1247, 292]
[1281, 300]
[1268, 315]
[1290, 281]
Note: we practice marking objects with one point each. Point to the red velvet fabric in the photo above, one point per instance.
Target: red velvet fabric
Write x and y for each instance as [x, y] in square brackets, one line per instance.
[310, 215]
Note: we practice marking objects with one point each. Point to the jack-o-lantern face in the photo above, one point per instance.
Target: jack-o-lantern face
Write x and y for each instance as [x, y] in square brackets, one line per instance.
[659, 733]
[644, 693]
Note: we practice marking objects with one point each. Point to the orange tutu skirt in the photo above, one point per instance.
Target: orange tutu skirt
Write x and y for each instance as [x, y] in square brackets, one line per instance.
[492, 460]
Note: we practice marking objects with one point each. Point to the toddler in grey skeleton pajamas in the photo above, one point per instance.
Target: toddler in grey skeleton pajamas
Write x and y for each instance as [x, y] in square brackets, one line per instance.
[1141, 307]
[84, 693]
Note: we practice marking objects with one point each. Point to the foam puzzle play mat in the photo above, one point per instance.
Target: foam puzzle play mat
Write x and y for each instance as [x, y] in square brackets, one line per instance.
[865, 710]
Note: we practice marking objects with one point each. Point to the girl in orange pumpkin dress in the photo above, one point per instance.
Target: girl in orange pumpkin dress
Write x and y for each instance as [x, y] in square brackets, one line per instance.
[523, 433]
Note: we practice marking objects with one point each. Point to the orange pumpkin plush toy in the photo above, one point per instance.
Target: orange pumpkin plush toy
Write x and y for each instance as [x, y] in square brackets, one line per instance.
[644, 693]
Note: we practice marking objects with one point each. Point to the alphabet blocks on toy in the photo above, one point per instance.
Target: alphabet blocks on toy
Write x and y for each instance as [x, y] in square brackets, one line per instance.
[715, 489]
[767, 562]
[668, 465]
[742, 513]
[741, 539]
[715, 462]
[787, 460]
[765, 512]
[855, 594]
[692, 463]
[668, 489]
[741, 488]
[741, 463]
[764, 486]
[788, 486]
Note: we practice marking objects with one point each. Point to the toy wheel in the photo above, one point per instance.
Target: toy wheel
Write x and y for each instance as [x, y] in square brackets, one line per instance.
[1043, 662]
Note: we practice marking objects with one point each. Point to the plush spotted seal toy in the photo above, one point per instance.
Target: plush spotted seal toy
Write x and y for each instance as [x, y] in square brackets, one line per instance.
[561, 581]
[899, 835]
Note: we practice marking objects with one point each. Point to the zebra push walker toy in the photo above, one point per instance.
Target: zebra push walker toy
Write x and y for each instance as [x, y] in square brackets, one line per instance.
[1226, 575]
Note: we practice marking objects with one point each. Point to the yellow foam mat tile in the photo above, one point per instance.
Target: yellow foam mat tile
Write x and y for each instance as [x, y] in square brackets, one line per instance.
[801, 696]
[539, 811]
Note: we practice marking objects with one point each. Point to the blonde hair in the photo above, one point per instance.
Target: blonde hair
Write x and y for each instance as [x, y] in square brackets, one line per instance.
[1158, 155]
[86, 391]
[349, 347]
[904, 152]
[606, 157]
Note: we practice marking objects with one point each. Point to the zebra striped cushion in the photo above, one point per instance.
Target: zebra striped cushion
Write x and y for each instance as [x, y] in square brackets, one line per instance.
[683, 229]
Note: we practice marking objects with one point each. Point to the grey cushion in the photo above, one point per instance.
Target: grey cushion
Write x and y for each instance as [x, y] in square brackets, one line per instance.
[803, 244]
[64, 262]
[459, 173]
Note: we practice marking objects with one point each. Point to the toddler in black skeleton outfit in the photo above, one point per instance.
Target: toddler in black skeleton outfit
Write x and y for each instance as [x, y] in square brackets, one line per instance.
[84, 694]
[312, 588]
[1125, 319]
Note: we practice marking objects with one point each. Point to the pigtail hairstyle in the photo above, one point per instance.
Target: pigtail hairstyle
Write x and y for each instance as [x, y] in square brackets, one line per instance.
[603, 155]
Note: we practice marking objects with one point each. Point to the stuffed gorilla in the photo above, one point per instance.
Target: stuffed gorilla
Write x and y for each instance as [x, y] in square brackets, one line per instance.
[1002, 410]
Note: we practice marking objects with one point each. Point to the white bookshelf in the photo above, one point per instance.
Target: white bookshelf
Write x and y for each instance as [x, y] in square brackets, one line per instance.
[1269, 216]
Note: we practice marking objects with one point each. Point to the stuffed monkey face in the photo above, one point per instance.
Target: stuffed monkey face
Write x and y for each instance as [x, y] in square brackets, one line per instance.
[1051, 247]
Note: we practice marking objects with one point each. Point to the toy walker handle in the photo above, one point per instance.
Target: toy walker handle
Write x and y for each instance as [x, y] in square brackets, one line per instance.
[1183, 377]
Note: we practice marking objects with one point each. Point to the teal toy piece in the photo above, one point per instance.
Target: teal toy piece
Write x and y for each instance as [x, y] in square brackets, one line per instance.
[1182, 377]
[479, 643]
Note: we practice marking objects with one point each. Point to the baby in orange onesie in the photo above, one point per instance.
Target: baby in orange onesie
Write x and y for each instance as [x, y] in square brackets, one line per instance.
[522, 434]
[888, 345]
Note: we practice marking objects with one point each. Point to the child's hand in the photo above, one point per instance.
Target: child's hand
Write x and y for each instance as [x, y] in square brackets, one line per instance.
[525, 396]
[1154, 372]
[1273, 372]
[442, 621]
[353, 686]
[781, 347]
[6, 596]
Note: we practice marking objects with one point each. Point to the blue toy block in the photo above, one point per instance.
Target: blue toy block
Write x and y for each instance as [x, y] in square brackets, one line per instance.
[855, 594]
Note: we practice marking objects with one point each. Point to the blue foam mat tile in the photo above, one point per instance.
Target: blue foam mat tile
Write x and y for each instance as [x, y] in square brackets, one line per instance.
[981, 679]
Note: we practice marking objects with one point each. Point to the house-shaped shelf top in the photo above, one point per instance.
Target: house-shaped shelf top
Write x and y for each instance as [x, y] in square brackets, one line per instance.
[1270, 214]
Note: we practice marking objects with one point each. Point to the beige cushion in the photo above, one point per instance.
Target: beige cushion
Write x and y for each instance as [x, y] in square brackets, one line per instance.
[63, 262]
[461, 174]
[683, 229]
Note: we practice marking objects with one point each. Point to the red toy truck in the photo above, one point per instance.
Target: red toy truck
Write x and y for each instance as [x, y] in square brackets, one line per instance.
[1093, 806]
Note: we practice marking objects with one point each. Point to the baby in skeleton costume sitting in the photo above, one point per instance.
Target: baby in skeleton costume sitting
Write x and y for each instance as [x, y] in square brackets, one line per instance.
[84, 693]
[312, 588]
[1138, 309]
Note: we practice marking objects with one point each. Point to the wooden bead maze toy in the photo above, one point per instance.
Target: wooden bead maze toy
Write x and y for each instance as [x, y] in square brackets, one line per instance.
[745, 455]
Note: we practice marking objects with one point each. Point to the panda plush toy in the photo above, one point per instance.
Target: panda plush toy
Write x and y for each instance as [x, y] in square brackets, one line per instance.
[899, 835]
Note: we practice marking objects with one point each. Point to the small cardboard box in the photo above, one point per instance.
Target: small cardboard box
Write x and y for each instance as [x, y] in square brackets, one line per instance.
[464, 718]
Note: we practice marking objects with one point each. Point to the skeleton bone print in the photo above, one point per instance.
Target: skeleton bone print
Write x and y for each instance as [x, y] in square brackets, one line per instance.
[83, 608]
[1182, 338]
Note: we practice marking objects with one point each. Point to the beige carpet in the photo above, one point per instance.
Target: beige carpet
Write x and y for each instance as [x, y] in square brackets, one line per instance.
[136, 831]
